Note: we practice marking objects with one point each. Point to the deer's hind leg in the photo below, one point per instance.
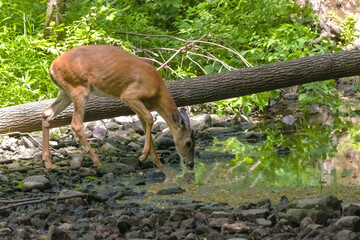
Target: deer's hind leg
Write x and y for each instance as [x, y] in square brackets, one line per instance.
[80, 98]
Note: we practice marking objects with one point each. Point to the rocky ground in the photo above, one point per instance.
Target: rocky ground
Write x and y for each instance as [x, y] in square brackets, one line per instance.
[119, 201]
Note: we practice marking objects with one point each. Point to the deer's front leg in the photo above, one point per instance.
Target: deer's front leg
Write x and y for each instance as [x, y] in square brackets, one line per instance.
[154, 156]
[48, 114]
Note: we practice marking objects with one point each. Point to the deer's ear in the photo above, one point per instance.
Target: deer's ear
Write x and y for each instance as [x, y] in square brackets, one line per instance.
[184, 117]
[177, 118]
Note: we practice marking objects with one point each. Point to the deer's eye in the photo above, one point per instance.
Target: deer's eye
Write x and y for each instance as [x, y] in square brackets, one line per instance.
[188, 144]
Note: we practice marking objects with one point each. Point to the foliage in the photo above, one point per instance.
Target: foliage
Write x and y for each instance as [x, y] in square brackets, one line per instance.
[348, 33]
[280, 31]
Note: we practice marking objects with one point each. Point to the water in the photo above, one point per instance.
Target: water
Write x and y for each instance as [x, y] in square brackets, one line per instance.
[269, 159]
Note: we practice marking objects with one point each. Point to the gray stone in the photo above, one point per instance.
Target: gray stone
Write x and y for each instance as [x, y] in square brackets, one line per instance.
[76, 160]
[124, 120]
[349, 222]
[219, 222]
[92, 125]
[221, 214]
[295, 215]
[120, 135]
[164, 141]
[352, 210]
[99, 132]
[116, 168]
[159, 124]
[347, 235]
[107, 148]
[252, 214]
[171, 191]
[27, 142]
[259, 233]
[3, 178]
[155, 176]
[36, 182]
[218, 120]
[237, 227]
[26, 153]
[201, 121]
[289, 120]
[134, 145]
[263, 222]
[319, 202]
[112, 126]
[57, 233]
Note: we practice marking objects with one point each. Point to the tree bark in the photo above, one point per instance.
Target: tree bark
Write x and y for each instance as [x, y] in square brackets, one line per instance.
[54, 11]
[27, 117]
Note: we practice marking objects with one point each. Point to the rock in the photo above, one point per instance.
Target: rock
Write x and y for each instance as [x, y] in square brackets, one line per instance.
[263, 222]
[134, 145]
[289, 120]
[112, 126]
[107, 149]
[221, 214]
[259, 233]
[349, 222]
[36, 182]
[171, 191]
[201, 121]
[164, 141]
[27, 142]
[295, 216]
[3, 178]
[121, 136]
[99, 132]
[159, 124]
[252, 214]
[219, 222]
[319, 202]
[116, 168]
[94, 124]
[55, 233]
[155, 177]
[347, 235]
[26, 153]
[219, 120]
[76, 160]
[253, 137]
[352, 210]
[237, 227]
[5, 232]
[123, 224]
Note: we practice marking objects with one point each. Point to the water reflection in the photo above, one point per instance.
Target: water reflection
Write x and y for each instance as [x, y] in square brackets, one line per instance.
[270, 156]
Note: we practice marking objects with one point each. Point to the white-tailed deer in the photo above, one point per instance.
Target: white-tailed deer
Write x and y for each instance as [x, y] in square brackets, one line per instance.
[112, 72]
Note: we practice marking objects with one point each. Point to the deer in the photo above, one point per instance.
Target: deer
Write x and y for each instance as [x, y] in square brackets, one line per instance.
[109, 71]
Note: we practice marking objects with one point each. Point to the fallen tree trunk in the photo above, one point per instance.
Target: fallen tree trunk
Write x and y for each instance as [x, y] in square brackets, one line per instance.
[27, 117]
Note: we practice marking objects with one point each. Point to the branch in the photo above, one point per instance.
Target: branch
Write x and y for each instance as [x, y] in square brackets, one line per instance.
[27, 201]
[230, 50]
[17, 134]
[153, 35]
[196, 64]
[190, 44]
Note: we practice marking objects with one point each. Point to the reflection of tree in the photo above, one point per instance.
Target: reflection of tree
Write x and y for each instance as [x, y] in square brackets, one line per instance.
[263, 166]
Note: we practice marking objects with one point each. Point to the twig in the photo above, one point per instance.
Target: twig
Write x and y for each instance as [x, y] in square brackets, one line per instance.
[153, 35]
[196, 64]
[17, 134]
[230, 50]
[190, 44]
[160, 63]
[28, 201]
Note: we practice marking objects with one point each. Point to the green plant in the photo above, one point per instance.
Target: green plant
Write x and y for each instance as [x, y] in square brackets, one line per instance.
[348, 33]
